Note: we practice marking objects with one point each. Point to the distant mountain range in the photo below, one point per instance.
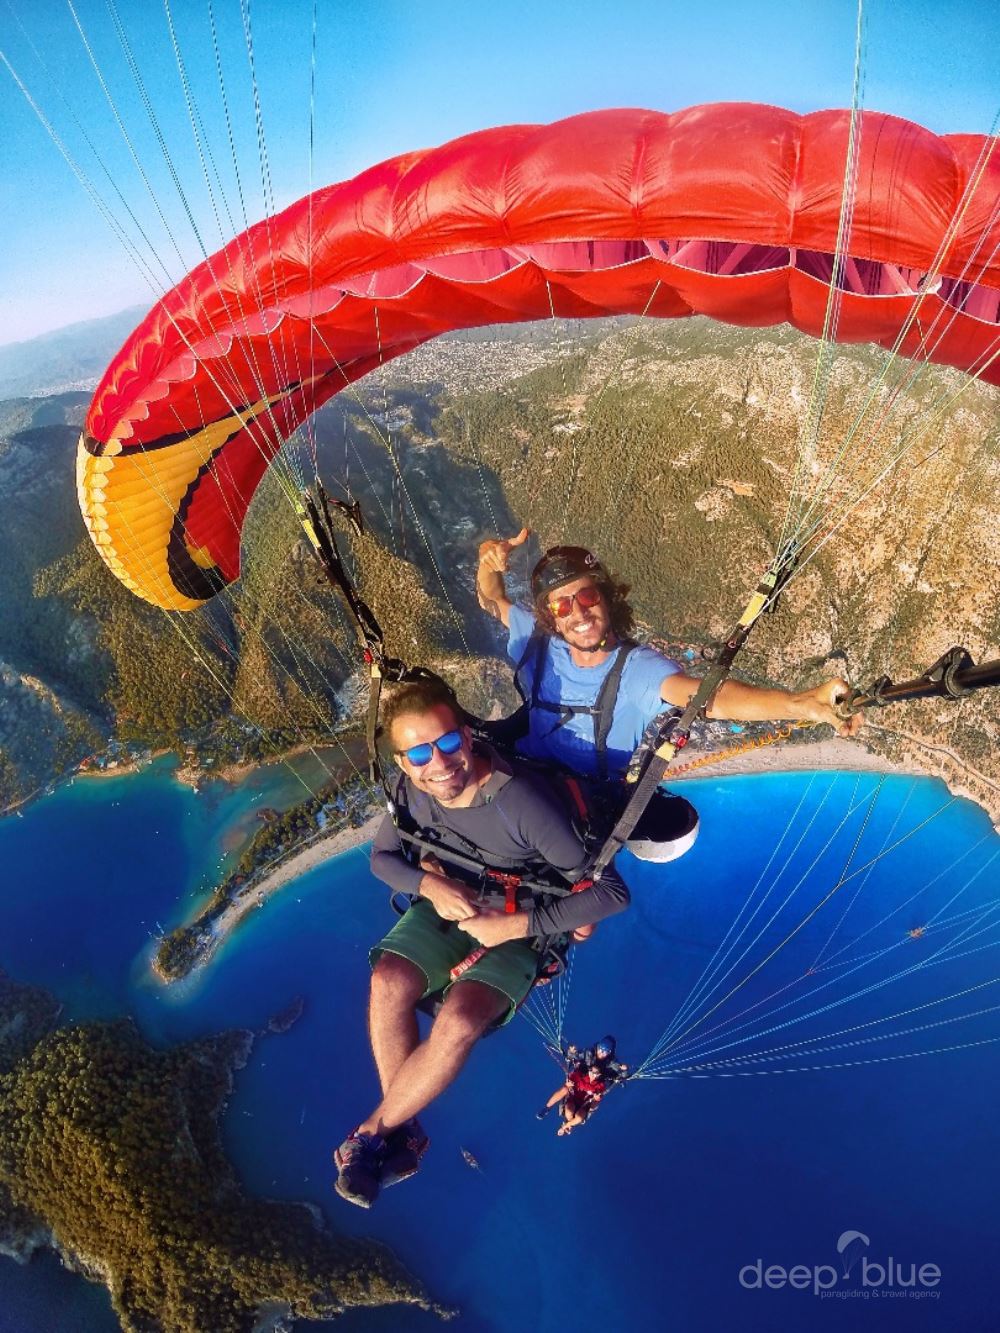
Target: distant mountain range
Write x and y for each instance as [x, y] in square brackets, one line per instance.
[70, 358]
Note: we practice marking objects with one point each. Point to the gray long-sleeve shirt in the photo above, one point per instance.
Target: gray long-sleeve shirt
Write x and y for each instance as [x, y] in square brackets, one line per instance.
[514, 820]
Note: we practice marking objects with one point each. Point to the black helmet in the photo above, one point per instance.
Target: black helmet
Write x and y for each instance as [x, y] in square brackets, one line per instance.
[563, 564]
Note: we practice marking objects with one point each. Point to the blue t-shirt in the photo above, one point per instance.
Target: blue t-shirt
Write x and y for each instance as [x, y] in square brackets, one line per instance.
[572, 744]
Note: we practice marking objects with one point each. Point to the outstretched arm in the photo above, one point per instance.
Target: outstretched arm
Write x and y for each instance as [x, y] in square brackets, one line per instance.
[739, 702]
[494, 559]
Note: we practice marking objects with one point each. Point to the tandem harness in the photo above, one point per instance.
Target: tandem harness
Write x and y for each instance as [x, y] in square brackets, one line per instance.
[513, 884]
[512, 887]
[601, 712]
[315, 511]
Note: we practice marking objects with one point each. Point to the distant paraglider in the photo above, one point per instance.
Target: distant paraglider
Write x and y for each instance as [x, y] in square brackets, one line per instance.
[590, 1075]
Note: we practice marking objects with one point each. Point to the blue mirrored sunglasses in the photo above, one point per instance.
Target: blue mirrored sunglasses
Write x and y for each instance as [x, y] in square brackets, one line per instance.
[419, 755]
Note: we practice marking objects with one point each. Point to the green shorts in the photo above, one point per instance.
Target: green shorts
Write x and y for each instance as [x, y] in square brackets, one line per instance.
[436, 946]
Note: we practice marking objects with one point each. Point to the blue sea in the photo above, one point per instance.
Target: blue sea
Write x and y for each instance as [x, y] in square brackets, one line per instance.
[822, 1153]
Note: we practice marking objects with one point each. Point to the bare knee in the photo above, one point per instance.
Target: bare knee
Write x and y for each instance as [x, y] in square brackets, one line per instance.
[469, 1009]
[396, 981]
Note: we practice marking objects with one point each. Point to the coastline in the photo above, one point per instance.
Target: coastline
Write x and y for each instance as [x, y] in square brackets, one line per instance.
[827, 754]
[832, 754]
[322, 848]
[193, 776]
[347, 748]
[173, 1101]
[307, 858]
[835, 754]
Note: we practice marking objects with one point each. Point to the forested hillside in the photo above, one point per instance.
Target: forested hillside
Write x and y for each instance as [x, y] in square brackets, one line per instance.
[668, 447]
[111, 1154]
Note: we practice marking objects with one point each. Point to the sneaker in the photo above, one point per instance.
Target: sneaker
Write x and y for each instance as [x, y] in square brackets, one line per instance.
[359, 1165]
[540, 1115]
[404, 1148]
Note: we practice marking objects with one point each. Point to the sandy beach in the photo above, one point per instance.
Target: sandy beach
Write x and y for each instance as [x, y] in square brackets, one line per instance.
[318, 851]
[833, 754]
[830, 755]
[836, 755]
[256, 892]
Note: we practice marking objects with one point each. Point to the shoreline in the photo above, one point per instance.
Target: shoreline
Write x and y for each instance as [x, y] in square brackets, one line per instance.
[836, 755]
[314, 854]
[829, 755]
[253, 895]
[833, 753]
[235, 773]
[347, 748]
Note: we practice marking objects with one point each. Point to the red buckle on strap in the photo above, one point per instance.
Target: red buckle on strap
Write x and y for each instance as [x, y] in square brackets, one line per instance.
[511, 883]
[582, 884]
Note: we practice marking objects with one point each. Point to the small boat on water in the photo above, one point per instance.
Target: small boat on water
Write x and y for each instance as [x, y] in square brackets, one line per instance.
[470, 1160]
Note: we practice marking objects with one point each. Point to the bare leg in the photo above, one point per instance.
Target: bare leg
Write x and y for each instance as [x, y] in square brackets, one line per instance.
[570, 1122]
[397, 985]
[557, 1097]
[469, 1008]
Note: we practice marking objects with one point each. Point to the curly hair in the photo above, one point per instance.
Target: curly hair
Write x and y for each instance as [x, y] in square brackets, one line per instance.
[615, 594]
[420, 696]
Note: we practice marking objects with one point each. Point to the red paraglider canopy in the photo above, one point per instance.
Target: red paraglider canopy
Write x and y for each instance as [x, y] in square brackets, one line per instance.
[729, 210]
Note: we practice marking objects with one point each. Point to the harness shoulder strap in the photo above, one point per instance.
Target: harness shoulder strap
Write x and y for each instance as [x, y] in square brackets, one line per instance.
[402, 818]
[604, 706]
[536, 651]
[602, 712]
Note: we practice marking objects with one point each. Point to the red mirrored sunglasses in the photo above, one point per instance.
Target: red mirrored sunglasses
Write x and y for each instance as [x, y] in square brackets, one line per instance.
[587, 597]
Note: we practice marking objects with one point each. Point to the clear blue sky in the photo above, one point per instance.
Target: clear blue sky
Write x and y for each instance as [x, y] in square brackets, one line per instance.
[399, 74]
